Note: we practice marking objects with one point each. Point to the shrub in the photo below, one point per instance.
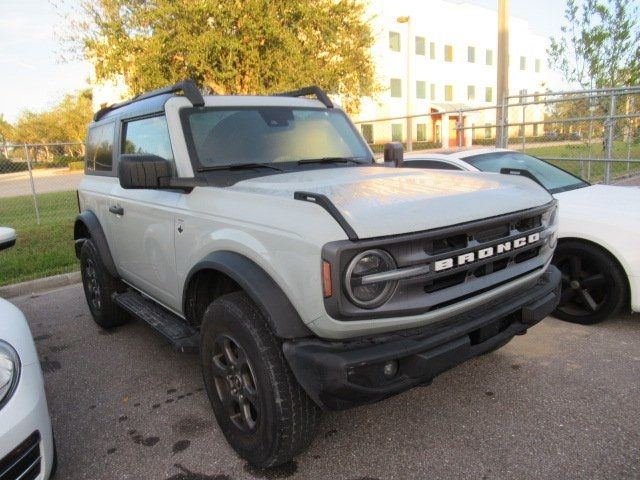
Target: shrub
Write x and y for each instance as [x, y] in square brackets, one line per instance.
[78, 165]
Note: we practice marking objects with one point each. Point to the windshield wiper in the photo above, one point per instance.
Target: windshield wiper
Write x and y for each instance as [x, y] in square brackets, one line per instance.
[329, 160]
[239, 166]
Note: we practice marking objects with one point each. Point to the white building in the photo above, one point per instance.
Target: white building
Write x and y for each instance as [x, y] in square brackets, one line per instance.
[450, 64]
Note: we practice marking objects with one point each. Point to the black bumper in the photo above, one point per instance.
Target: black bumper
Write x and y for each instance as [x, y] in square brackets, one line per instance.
[343, 374]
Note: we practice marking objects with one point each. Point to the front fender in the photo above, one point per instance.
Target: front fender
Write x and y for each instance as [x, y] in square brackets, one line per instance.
[279, 312]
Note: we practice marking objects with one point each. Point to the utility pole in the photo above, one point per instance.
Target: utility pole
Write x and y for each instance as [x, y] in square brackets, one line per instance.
[407, 20]
[502, 131]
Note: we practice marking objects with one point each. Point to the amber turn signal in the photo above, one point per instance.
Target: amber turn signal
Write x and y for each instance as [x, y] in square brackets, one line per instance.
[327, 287]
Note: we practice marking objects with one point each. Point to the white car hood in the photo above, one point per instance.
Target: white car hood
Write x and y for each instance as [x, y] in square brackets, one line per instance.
[14, 330]
[378, 201]
[614, 202]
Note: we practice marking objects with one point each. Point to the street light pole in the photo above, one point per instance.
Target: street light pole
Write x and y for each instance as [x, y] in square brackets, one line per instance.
[407, 20]
[502, 131]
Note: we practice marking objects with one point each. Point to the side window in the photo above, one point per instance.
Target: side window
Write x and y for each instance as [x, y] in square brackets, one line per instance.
[148, 135]
[99, 154]
[433, 164]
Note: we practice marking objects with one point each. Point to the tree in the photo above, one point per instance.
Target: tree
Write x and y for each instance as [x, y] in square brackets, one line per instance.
[66, 122]
[599, 44]
[230, 46]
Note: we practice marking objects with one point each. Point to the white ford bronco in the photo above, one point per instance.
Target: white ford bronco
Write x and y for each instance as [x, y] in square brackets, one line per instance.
[259, 231]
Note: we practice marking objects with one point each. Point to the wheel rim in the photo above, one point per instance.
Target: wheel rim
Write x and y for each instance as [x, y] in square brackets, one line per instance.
[584, 286]
[235, 383]
[92, 285]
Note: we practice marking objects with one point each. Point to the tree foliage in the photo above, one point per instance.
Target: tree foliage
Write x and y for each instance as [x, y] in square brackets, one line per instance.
[230, 46]
[65, 122]
[599, 46]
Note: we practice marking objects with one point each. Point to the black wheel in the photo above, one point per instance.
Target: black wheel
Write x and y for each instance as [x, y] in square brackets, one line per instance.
[261, 409]
[593, 285]
[99, 285]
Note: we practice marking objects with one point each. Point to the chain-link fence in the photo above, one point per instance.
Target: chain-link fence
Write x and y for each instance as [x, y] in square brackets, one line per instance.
[38, 184]
[594, 134]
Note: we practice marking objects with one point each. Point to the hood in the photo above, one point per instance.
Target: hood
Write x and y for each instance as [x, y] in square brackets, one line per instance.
[608, 201]
[379, 201]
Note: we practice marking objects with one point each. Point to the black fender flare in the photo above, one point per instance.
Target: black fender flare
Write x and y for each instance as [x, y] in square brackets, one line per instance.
[90, 222]
[281, 315]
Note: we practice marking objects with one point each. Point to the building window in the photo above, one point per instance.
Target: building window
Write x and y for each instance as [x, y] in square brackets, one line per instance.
[471, 92]
[394, 41]
[535, 129]
[420, 46]
[421, 89]
[396, 132]
[488, 94]
[432, 91]
[487, 130]
[448, 53]
[538, 65]
[522, 92]
[489, 57]
[432, 50]
[471, 54]
[448, 93]
[523, 63]
[421, 132]
[396, 88]
[367, 132]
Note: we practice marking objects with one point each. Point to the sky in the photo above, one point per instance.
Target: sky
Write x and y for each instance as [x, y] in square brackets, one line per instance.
[33, 75]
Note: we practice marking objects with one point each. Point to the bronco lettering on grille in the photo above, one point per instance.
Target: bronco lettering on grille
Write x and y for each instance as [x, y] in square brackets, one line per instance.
[483, 253]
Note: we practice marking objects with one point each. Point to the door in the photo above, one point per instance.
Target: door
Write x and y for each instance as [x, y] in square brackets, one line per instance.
[453, 132]
[143, 222]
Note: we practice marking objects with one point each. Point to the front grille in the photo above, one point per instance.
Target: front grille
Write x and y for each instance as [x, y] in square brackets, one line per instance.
[463, 261]
[23, 462]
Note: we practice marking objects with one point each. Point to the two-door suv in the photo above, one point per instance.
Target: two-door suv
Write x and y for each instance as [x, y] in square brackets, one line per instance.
[259, 231]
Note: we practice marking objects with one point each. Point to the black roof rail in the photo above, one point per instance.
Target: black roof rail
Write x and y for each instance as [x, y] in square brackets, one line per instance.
[188, 87]
[312, 90]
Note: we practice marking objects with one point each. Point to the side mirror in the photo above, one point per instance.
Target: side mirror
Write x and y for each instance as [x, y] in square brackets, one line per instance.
[7, 238]
[137, 171]
[394, 153]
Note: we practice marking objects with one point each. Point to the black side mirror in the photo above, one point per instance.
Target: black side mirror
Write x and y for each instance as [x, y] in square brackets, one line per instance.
[143, 171]
[394, 153]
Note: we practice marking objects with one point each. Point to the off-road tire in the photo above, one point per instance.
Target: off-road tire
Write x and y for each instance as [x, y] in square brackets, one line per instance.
[285, 418]
[99, 286]
[609, 295]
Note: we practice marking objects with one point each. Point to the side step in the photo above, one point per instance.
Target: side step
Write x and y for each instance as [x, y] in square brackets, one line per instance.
[181, 335]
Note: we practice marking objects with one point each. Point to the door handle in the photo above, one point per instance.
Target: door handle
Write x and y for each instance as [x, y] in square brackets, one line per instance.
[116, 210]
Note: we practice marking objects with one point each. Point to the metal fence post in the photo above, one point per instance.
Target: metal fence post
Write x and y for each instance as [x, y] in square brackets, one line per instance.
[610, 123]
[524, 127]
[459, 130]
[33, 186]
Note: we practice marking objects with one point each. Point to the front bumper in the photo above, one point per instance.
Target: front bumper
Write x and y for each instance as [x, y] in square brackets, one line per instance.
[26, 442]
[343, 374]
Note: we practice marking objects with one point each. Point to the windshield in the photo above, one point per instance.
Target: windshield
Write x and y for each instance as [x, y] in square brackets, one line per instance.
[222, 137]
[551, 177]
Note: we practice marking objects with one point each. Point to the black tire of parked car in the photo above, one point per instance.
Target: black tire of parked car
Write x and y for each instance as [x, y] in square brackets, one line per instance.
[99, 286]
[261, 409]
[594, 287]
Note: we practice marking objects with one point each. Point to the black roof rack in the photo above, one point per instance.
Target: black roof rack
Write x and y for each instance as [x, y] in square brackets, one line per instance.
[188, 87]
[312, 90]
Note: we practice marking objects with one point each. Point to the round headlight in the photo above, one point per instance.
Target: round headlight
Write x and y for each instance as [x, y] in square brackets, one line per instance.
[9, 371]
[365, 287]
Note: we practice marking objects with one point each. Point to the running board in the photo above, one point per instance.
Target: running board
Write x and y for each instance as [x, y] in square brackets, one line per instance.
[182, 336]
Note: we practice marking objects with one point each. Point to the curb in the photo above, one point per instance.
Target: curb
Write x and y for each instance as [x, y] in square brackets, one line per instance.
[39, 285]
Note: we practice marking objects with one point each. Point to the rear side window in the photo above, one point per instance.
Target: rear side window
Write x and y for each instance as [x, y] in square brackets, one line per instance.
[99, 155]
[148, 136]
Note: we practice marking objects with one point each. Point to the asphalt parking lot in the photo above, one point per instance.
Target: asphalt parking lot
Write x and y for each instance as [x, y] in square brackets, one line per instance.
[560, 402]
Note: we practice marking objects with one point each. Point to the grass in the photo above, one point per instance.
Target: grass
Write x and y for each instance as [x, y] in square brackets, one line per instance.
[596, 173]
[40, 250]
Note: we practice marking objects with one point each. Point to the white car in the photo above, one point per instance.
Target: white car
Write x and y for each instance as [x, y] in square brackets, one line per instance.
[597, 251]
[26, 440]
